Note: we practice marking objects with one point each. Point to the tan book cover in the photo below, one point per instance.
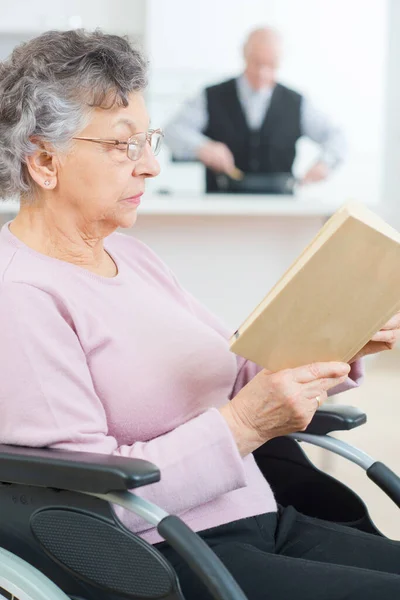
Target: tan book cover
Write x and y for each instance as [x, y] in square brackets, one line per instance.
[340, 291]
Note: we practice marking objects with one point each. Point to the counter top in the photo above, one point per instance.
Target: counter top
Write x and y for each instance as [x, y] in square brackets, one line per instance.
[235, 205]
[225, 205]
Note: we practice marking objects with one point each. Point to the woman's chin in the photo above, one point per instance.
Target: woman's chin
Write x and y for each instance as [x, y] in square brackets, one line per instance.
[127, 219]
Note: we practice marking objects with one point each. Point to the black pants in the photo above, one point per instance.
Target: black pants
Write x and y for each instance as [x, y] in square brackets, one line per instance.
[293, 557]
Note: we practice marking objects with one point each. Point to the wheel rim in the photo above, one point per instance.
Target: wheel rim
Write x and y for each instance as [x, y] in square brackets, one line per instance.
[20, 581]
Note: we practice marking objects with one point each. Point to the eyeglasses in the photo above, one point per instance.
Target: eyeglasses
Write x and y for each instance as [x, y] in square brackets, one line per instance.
[135, 145]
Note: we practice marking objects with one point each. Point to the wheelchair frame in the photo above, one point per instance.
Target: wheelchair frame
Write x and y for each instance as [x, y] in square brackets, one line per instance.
[25, 582]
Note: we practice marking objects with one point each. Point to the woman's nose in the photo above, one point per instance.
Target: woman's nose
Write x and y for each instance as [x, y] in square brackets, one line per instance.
[147, 165]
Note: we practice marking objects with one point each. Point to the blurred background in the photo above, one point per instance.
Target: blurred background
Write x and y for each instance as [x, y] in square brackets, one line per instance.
[337, 53]
[230, 248]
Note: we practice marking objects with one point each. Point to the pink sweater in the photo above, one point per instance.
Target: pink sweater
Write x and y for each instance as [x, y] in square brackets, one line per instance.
[131, 366]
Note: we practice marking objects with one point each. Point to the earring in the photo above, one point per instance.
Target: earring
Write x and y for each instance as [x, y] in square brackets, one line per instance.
[47, 182]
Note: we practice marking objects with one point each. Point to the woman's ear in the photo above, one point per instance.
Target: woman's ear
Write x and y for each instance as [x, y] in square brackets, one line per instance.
[42, 166]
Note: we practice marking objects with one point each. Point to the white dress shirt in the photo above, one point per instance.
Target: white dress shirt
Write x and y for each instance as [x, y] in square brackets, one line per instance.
[183, 134]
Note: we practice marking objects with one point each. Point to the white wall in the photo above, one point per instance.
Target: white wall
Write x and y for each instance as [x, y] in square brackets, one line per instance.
[26, 16]
[24, 19]
[335, 53]
[392, 119]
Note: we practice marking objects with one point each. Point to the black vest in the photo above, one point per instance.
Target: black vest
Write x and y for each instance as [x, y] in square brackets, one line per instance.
[270, 149]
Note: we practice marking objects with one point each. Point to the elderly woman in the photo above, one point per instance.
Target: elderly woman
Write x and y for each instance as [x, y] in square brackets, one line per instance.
[103, 351]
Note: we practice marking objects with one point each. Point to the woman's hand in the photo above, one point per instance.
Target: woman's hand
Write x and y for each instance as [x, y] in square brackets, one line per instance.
[275, 404]
[385, 339]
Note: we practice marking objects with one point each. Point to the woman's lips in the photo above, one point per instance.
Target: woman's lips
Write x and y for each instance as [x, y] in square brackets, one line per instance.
[134, 199]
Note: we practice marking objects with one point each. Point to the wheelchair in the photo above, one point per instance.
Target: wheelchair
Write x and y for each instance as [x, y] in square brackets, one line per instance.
[60, 538]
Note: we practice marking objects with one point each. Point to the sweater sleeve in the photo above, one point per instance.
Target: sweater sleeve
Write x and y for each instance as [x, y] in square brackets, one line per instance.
[47, 399]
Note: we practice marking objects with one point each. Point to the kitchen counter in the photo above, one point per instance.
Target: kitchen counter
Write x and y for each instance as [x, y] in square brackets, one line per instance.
[225, 204]
[228, 204]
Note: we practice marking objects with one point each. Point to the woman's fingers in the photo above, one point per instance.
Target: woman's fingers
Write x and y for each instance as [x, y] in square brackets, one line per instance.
[390, 332]
[393, 323]
[387, 336]
[320, 371]
[319, 400]
[321, 386]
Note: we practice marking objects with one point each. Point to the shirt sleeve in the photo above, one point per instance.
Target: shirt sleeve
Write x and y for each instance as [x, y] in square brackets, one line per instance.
[48, 399]
[183, 134]
[317, 126]
[354, 379]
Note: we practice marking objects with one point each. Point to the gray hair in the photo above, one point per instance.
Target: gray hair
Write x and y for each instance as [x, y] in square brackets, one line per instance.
[48, 87]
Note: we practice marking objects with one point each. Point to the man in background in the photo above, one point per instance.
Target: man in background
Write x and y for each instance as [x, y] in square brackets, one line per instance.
[252, 122]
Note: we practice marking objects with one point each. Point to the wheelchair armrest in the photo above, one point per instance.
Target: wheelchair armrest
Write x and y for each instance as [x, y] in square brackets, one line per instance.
[336, 417]
[74, 471]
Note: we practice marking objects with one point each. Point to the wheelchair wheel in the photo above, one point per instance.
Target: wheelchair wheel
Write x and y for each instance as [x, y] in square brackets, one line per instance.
[21, 581]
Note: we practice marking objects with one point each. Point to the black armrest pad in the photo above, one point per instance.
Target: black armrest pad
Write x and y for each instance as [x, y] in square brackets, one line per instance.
[336, 417]
[75, 471]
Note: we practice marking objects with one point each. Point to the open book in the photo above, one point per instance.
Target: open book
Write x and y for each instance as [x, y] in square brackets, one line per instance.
[340, 291]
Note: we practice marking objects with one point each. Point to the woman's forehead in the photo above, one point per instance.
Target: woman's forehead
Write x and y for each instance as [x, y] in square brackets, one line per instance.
[133, 117]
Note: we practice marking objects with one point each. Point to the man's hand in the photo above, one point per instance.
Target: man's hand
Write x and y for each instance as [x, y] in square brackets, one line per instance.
[385, 339]
[318, 172]
[216, 156]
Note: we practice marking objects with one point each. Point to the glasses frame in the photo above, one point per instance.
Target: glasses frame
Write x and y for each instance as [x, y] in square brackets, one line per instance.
[149, 134]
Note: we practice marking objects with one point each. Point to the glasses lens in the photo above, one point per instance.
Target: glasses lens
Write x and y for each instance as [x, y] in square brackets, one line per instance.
[156, 142]
[137, 142]
[136, 145]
